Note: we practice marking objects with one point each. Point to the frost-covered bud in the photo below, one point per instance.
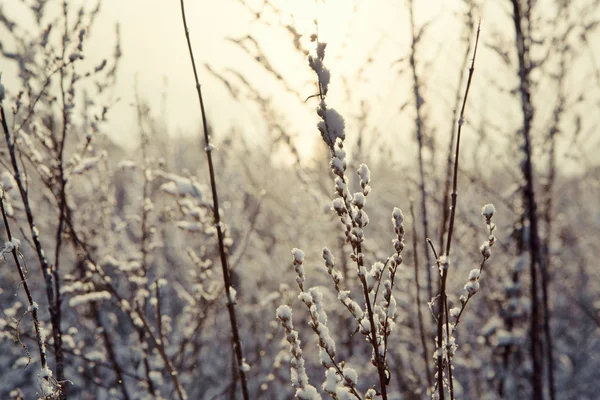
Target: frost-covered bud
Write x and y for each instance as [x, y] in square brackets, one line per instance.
[329, 259]
[298, 256]
[232, 296]
[474, 274]
[391, 309]
[284, 314]
[361, 218]
[364, 174]
[340, 186]
[332, 125]
[374, 275]
[357, 235]
[485, 250]
[306, 298]
[338, 206]
[350, 377]
[398, 245]
[297, 262]
[331, 381]
[338, 165]
[396, 259]
[308, 393]
[359, 200]
[455, 312]
[444, 263]
[353, 307]
[491, 240]
[488, 212]
[245, 366]
[397, 219]
[472, 287]
[370, 394]
[365, 326]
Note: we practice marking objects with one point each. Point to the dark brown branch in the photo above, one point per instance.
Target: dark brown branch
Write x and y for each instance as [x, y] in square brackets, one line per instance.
[237, 344]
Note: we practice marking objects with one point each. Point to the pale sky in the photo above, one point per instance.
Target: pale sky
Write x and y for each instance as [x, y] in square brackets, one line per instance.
[155, 59]
[155, 51]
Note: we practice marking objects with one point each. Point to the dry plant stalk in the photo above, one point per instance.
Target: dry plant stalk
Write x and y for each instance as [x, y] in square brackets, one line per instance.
[229, 291]
[443, 263]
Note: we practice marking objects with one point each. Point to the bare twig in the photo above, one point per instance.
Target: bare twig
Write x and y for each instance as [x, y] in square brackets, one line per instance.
[237, 344]
[444, 273]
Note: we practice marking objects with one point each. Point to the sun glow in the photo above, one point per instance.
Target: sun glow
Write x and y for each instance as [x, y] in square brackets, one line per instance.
[331, 16]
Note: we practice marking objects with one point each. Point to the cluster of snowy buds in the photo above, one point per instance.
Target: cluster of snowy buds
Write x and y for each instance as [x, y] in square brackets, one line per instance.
[318, 322]
[297, 261]
[472, 286]
[488, 212]
[299, 377]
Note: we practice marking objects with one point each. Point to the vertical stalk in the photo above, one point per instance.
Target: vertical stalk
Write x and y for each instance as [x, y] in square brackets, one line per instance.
[448, 169]
[237, 344]
[529, 193]
[45, 267]
[420, 133]
[453, 197]
[418, 298]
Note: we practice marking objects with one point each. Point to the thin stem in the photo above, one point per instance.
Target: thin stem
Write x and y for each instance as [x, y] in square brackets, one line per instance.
[32, 305]
[420, 139]
[45, 267]
[444, 273]
[529, 192]
[448, 180]
[418, 294]
[237, 344]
